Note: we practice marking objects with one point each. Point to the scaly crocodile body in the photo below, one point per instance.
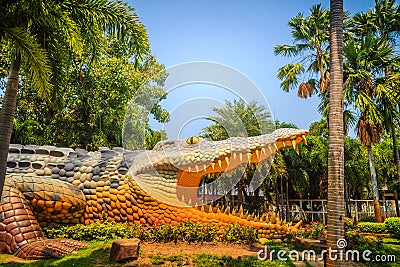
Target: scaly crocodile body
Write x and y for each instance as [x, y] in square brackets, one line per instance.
[47, 185]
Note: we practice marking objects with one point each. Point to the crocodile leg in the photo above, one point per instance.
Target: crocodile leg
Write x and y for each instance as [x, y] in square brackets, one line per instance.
[20, 232]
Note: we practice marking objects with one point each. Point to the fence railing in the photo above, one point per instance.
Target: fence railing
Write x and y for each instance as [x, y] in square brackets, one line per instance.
[316, 209]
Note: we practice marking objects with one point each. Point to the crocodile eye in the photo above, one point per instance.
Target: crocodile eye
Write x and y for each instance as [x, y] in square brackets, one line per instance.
[192, 140]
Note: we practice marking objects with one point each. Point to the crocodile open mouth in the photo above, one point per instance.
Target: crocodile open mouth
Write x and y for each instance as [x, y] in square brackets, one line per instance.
[189, 177]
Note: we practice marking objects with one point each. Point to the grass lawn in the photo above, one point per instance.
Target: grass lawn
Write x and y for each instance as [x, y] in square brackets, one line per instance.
[167, 254]
[182, 254]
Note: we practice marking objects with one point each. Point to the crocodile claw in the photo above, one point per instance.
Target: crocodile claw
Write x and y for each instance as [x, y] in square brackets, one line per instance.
[49, 248]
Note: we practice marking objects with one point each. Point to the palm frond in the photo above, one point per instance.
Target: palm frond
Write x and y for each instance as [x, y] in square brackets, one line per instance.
[286, 50]
[288, 74]
[34, 57]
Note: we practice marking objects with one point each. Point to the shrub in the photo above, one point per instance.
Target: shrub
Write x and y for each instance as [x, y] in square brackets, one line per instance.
[370, 227]
[356, 241]
[95, 231]
[349, 224]
[315, 230]
[237, 233]
[393, 226]
[367, 218]
[185, 231]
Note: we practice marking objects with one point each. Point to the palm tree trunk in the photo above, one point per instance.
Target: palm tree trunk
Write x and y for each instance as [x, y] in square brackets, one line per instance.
[374, 184]
[346, 199]
[7, 116]
[287, 200]
[397, 162]
[336, 135]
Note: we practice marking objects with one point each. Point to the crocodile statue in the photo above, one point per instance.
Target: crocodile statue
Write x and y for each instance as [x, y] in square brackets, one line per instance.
[47, 185]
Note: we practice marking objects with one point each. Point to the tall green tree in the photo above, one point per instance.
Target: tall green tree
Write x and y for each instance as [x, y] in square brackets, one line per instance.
[311, 52]
[336, 210]
[72, 26]
[93, 106]
[365, 60]
[386, 170]
[237, 118]
[307, 172]
[356, 168]
[383, 21]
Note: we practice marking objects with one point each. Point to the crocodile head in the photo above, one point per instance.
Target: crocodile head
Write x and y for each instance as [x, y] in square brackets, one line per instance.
[172, 171]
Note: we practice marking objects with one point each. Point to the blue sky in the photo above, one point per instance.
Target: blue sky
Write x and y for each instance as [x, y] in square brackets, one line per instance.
[240, 34]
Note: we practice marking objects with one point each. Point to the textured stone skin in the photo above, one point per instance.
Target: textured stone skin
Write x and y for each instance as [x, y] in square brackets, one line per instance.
[125, 249]
[49, 185]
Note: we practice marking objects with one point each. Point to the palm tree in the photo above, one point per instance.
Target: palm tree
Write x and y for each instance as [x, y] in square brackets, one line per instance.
[311, 51]
[388, 99]
[384, 22]
[238, 118]
[336, 211]
[72, 26]
[370, 132]
[311, 45]
[365, 60]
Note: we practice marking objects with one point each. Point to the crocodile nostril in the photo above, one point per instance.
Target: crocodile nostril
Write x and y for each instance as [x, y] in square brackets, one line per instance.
[114, 184]
[11, 164]
[24, 164]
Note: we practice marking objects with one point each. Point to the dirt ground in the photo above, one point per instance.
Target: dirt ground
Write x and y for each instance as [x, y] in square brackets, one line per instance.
[168, 249]
[164, 250]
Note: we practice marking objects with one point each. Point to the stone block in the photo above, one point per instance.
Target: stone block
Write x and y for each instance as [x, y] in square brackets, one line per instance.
[125, 249]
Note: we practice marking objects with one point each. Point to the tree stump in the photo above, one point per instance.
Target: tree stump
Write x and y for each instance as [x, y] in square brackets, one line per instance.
[125, 249]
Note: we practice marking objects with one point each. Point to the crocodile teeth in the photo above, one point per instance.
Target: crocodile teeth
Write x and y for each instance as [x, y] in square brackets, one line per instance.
[189, 169]
[240, 156]
[249, 157]
[234, 156]
[276, 146]
[304, 139]
[219, 163]
[258, 154]
[270, 149]
[263, 150]
[227, 160]
[283, 142]
[190, 202]
[197, 169]
[205, 167]
[210, 210]
[213, 165]
[294, 144]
